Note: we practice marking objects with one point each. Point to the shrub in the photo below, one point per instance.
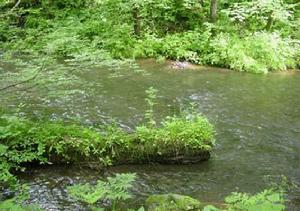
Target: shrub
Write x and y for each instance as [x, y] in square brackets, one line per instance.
[114, 189]
[188, 46]
[266, 200]
[259, 53]
[243, 39]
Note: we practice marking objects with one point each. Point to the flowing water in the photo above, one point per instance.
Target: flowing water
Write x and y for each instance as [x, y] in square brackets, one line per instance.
[256, 117]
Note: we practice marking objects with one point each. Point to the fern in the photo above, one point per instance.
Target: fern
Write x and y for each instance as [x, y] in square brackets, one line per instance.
[114, 189]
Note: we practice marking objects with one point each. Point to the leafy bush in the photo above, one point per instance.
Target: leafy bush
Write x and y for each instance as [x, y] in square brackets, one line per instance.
[179, 139]
[260, 14]
[268, 200]
[181, 46]
[148, 47]
[188, 46]
[114, 189]
[259, 53]
[251, 36]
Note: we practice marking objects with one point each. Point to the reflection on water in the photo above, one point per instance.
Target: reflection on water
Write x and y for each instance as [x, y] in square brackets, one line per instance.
[257, 119]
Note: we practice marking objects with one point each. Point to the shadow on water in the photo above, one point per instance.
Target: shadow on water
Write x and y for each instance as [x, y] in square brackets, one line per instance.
[257, 119]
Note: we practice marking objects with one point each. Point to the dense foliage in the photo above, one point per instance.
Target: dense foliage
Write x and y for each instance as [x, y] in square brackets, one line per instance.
[24, 141]
[267, 200]
[271, 199]
[112, 193]
[254, 36]
[175, 140]
[116, 189]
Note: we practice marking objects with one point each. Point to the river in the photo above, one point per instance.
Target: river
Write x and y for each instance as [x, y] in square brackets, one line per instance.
[256, 118]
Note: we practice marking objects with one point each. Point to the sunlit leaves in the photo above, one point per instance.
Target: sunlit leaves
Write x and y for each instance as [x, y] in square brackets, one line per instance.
[268, 200]
[260, 12]
[114, 189]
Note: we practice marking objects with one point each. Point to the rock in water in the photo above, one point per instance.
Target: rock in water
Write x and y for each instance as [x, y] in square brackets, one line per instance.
[178, 65]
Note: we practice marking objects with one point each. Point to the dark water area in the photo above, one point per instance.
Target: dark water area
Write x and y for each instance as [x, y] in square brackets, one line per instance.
[256, 118]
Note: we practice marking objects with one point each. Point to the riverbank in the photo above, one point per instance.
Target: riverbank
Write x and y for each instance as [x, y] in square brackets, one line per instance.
[254, 116]
[185, 65]
[77, 33]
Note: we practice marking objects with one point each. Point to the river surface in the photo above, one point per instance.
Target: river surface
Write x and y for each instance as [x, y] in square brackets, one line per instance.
[256, 117]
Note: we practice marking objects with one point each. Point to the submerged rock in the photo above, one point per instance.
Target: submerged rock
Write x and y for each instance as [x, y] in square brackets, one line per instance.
[181, 65]
[172, 202]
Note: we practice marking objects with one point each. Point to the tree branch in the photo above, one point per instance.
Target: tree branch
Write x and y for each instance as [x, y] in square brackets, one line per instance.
[11, 10]
[16, 5]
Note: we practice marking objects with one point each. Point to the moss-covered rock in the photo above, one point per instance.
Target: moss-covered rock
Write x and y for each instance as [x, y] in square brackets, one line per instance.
[172, 202]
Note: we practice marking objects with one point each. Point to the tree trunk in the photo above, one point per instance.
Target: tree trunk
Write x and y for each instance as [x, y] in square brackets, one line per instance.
[16, 5]
[213, 10]
[137, 21]
[269, 23]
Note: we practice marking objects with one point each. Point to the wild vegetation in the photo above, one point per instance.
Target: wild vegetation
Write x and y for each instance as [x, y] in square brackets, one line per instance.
[178, 140]
[50, 42]
[253, 36]
[116, 191]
